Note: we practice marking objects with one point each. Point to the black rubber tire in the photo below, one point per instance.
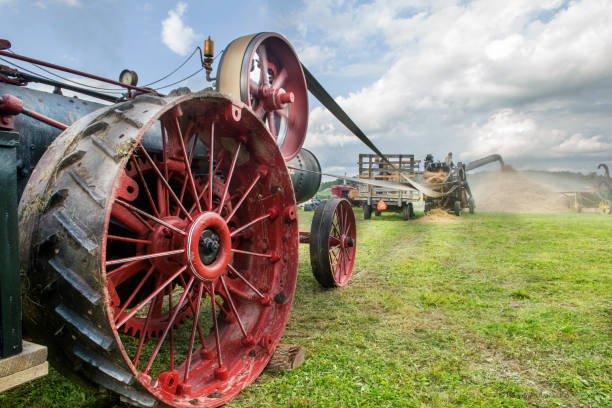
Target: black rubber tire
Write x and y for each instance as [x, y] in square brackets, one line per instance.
[457, 208]
[377, 213]
[472, 205]
[63, 218]
[407, 211]
[427, 207]
[320, 231]
[367, 211]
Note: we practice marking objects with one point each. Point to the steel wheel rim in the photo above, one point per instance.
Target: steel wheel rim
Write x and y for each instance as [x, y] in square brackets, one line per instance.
[207, 376]
[342, 243]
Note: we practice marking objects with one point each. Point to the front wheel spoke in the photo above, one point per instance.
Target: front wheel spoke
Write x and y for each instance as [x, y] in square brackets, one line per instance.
[240, 251]
[194, 326]
[246, 281]
[151, 296]
[334, 242]
[186, 160]
[193, 310]
[244, 196]
[216, 325]
[143, 335]
[249, 224]
[205, 189]
[146, 187]
[211, 150]
[146, 214]
[229, 178]
[143, 257]
[131, 221]
[234, 310]
[170, 324]
[134, 292]
[128, 239]
[125, 271]
[165, 182]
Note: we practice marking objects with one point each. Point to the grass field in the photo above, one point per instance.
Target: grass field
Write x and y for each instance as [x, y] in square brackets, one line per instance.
[487, 310]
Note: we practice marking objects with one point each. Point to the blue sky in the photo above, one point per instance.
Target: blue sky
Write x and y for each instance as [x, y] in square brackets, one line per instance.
[529, 80]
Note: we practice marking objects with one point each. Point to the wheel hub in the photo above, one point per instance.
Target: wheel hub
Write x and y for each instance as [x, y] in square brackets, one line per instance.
[208, 244]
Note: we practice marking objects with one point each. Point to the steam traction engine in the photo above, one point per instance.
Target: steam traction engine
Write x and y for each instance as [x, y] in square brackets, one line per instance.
[158, 236]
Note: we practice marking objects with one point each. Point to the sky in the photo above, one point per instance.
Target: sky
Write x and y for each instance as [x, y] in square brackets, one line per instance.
[530, 80]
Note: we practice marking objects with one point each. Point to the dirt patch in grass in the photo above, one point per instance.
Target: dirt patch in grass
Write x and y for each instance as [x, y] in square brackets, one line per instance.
[438, 215]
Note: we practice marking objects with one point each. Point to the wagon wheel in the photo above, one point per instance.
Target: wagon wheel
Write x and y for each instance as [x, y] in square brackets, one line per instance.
[192, 222]
[333, 239]
[265, 73]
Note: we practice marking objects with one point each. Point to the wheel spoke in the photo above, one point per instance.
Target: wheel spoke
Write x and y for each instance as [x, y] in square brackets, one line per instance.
[165, 181]
[249, 224]
[205, 189]
[272, 124]
[169, 326]
[233, 306]
[229, 178]
[127, 239]
[125, 271]
[194, 326]
[131, 221]
[134, 292]
[146, 187]
[210, 166]
[170, 310]
[143, 335]
[216, 325]
[151, 296]
[177, 128]
[263, 61]
[245, 280]
[229, 217]
[142, 257]
[240, 251]
[279, 81]
[157, 220]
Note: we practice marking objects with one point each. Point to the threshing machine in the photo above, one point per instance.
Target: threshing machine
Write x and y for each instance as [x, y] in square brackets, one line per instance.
[158, 239]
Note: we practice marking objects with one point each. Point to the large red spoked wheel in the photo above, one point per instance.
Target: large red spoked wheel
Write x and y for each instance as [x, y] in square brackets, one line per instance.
[333, 239]
[162, 249]
[266, 74]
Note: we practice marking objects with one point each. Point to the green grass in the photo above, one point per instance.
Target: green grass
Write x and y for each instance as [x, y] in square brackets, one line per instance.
[493, 310]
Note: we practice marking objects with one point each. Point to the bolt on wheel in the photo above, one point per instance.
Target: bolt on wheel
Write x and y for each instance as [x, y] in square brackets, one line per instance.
[170, 223]
[333, 241]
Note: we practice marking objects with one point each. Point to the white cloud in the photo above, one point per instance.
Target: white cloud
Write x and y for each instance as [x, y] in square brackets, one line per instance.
[527, 74]
[178, 36]
[71, 3]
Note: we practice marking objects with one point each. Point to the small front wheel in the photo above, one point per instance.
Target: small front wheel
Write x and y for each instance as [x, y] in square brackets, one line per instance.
[333, 239]
[457, 208]
[367, 211]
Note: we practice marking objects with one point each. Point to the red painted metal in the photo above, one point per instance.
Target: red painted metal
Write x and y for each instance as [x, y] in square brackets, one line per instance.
[342, 240]
[11, 106]
[276, 91]
[189, 207]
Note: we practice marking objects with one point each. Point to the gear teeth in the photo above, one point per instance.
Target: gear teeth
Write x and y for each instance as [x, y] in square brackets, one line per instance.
[85, 327]
[76, 232]
[103, 365]
[76, 281]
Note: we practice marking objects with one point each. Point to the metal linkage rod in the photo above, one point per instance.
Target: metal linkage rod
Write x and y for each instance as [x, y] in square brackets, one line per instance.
[74, 71]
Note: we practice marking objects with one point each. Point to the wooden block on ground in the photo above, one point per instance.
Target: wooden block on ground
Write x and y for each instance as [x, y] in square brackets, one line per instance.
[26, 366]
[287, 357]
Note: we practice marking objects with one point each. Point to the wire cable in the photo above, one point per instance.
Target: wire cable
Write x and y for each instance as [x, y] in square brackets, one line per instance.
[178, 82]
[177, 68]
